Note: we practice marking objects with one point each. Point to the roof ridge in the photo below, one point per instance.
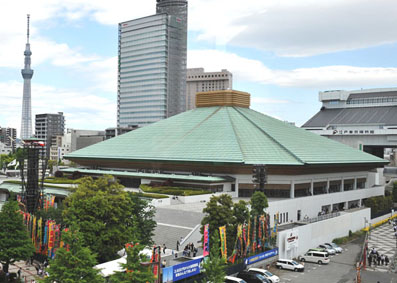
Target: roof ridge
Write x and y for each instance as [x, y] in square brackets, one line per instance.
[235, 134]
[193, 128]
[270, 136]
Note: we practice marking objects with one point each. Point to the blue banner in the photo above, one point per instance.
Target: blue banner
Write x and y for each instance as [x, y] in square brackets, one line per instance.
[262, 256]
[186, 269]
[168, 274]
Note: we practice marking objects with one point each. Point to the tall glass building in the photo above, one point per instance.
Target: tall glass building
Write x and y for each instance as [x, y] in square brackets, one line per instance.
[152, 65]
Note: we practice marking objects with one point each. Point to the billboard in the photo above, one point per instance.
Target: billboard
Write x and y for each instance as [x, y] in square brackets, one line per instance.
[182, 270]
[261, 256]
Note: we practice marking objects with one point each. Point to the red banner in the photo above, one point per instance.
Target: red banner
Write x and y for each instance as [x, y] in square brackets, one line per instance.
[206, 250]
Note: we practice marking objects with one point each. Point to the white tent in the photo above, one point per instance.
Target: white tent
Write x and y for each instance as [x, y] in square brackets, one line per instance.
[109, 268]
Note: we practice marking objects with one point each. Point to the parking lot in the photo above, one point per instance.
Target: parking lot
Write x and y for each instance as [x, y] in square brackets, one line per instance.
[340, 270]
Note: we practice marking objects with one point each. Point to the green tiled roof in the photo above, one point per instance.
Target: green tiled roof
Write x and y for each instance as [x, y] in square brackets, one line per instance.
[205, 179]
[16, 188]
[225, 135]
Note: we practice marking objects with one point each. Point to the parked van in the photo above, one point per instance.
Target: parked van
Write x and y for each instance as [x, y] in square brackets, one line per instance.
[315, 256]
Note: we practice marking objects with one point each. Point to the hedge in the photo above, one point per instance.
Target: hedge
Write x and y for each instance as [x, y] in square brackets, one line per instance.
[372, 226]
[352, 236]
[175, 191]
[53, 180]
[155, 196]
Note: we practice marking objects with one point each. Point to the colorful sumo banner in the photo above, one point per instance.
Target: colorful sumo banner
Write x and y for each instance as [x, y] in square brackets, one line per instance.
[182, 270]
[261, 256]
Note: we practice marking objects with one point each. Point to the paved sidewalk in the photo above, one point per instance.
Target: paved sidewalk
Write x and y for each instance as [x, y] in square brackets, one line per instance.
[28, 271]
[383, 240]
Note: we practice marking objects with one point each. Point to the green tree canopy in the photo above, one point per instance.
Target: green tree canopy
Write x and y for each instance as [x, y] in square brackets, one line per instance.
[134, 270]
[107, 216]
[14, 240]
[74, 263]
[214, 265]
[241, 212]
[219, 211]
[143, 214]
[258, 203]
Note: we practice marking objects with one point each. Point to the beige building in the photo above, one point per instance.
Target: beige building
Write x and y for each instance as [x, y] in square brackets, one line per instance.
[199, 81]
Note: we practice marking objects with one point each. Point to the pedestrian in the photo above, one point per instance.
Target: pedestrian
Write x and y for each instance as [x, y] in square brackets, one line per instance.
[382, 258]
[19, 273]
[395, 234]
[164, 264]
[386, 260]
[370, 259]
[164, 247]
[177, 245]
[379, 259]
[195, 252]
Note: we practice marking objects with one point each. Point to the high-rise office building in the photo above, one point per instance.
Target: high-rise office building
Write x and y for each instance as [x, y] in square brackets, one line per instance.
[27, 74]
[48, 127]
[152, 65]
[199, 81]
[8, 136]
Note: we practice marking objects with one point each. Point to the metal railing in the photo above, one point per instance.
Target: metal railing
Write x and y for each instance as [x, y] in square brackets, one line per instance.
[320, 217]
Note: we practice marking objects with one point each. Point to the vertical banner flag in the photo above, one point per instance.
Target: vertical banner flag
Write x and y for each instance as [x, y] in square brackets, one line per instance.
[254, 236]
[206, 249]
[248, 237]
[222, 233]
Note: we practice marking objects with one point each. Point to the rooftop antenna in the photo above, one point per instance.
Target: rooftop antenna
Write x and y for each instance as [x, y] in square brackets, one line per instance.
[28, 27]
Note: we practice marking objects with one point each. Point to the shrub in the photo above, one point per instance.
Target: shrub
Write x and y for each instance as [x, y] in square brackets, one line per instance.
[58, 174]
[175, 191]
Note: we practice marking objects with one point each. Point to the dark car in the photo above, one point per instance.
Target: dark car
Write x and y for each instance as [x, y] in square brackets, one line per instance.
[251, 277]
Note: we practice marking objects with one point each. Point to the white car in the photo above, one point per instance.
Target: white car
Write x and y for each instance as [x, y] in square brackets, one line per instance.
[231, 279]
[289, 264]
[317, 257]
[265, 273]
[329, 250]
[335, 247]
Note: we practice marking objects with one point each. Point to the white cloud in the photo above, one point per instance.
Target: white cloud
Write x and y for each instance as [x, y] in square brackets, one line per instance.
[325, 77]
[83, 110]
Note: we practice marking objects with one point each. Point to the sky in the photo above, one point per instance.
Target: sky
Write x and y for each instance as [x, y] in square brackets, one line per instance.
[283, 52]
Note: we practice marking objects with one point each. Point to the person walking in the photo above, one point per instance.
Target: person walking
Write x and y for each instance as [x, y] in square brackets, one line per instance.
[386, 260]
[164, 248]
[382, 259]
[19, 273]
[177, 245]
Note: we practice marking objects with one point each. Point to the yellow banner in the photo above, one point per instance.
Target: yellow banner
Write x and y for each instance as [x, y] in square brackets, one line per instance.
[222, 233]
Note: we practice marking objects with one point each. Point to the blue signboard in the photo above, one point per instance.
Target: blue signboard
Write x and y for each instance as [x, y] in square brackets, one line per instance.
[182, 270]
[168, 274]
[262, 256]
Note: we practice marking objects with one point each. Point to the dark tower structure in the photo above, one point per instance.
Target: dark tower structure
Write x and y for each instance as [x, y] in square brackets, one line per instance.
[32, 188]
[27, 74]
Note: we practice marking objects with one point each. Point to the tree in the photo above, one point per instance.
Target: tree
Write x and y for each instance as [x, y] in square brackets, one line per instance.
[105, 214]
[219, 212]
[73, 262]
[143, 214]
[258, 203]
[214, 264]
[14, 240]
[53, 214]
[240, 212]
[134, 270]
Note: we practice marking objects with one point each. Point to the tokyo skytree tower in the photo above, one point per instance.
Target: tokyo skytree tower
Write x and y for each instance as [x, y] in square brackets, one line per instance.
[27, 74]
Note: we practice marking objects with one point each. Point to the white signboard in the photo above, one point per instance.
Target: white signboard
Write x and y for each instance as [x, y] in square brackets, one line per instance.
[291, 241]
